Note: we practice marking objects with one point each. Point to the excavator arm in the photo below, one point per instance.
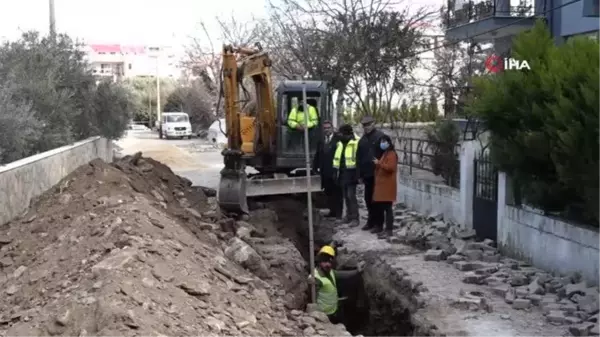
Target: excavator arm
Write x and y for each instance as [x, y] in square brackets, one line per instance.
[240, 63]
[252, 138]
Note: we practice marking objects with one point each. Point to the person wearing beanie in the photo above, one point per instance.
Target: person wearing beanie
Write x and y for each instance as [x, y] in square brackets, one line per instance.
[346, 172]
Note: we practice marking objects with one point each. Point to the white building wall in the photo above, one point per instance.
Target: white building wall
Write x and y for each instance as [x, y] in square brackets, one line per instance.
[142, 61]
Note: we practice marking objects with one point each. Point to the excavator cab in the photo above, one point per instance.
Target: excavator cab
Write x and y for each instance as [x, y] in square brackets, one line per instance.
[264, 140]
[290, 142]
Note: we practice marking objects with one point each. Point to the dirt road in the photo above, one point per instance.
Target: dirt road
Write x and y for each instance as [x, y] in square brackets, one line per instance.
[195, 159]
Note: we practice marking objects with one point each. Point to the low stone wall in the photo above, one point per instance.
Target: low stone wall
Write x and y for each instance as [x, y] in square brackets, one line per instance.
[23, 180]
[430, 198]
[549, 243]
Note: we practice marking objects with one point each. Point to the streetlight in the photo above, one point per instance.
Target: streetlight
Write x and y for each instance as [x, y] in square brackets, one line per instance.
[158, 106]
[52, 18]
[157, 91]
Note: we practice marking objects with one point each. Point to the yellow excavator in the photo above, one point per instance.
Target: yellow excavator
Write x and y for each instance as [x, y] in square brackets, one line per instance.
[262, 139]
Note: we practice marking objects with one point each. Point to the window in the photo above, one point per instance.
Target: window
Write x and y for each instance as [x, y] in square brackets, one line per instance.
[129, 66]
[176, 119]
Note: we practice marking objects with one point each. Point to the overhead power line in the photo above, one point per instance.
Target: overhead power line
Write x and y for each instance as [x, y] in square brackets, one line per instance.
[445, 45]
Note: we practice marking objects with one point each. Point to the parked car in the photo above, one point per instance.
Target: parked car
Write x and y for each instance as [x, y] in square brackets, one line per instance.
[137, 127]
[175, 124]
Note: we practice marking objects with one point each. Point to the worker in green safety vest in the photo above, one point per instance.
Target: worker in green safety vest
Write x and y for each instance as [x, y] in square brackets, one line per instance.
[297, 118]
[346, 172]
[326, 281]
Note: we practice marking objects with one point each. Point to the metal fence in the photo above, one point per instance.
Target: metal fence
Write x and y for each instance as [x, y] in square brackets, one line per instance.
[418, 154]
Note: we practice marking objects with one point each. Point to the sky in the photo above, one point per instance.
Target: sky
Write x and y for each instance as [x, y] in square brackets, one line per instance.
[161, 22]
[137, 22]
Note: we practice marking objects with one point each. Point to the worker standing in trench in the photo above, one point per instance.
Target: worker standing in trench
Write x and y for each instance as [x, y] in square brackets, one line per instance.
[328, 282]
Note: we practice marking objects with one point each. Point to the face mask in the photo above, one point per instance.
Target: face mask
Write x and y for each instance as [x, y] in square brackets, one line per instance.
[384, 146]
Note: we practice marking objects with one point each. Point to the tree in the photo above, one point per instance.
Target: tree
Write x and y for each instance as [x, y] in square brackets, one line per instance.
[388, 40]
[48, 93]
[544, 123]
[443, 138]
[145, 97]
[316, 34]
[18, 125]
[193, 99]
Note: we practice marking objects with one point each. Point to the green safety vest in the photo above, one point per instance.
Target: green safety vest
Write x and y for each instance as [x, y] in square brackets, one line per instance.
[297, 117]
[349, 154]
[327, 297]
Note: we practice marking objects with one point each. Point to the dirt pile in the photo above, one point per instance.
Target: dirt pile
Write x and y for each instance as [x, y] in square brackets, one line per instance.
[132, 249]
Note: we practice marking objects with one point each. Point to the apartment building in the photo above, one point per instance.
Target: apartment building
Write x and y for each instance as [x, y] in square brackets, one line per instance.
[498, 21]
[115, 61]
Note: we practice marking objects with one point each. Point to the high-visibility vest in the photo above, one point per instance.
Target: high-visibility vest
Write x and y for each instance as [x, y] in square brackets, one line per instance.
[298, 117]
[349, 154]
[327, 297]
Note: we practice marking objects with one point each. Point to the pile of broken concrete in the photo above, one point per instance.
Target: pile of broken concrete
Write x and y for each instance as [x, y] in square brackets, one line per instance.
[130, 248]
[565, 300]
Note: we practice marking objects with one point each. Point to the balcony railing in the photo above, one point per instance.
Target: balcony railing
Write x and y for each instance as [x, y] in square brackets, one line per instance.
[473, 11]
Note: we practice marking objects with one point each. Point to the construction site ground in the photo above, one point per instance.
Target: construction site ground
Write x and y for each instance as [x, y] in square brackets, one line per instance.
[130, 248]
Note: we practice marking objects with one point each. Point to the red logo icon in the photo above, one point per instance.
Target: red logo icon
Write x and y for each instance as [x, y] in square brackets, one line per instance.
[494, 64]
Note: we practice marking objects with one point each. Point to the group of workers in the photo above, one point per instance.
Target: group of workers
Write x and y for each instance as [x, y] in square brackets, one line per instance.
[344, 161]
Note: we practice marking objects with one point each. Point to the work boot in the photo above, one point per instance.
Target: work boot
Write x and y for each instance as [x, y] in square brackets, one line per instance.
[376, 230]
[354, 223]
[385, 234]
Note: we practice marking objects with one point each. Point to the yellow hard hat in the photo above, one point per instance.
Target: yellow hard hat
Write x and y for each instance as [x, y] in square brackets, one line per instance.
[327, 250]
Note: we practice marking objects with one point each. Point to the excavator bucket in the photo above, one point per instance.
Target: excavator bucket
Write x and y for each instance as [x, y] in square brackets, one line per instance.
[232, 193]
[282, 185]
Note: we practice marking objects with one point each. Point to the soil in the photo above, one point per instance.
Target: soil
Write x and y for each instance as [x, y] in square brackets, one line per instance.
[130, 248]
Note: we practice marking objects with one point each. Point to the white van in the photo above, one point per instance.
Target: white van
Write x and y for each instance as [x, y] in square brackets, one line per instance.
[175, 124]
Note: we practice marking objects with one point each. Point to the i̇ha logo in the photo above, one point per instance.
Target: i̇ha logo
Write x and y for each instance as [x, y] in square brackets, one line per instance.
[495, 63]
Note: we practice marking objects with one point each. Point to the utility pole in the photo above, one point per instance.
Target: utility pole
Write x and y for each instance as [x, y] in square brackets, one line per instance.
[157, 88]
[52, 19]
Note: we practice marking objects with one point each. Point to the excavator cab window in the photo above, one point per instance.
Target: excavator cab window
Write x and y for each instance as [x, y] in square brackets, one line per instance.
[292, 140]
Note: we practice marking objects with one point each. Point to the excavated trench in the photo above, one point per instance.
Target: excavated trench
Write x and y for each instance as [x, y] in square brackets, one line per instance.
[381, 302]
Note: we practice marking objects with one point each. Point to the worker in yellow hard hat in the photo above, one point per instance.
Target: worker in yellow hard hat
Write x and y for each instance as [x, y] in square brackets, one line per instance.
[326, 281]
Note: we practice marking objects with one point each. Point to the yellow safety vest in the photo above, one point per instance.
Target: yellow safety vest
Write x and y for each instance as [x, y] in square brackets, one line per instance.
[297, 117]
[349, 154]
[327, 297]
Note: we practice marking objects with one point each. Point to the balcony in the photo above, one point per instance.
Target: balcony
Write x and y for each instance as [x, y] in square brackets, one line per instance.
[475, 19]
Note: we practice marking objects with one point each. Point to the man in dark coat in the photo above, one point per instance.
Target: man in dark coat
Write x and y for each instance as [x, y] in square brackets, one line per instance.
[323, 163]
[368, 149]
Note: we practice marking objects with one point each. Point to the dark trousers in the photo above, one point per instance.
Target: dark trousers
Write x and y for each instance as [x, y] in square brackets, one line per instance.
[296, 139]
[349, 191]
[369, 186]
[335, 197]
[337, 317]
[383, 213]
